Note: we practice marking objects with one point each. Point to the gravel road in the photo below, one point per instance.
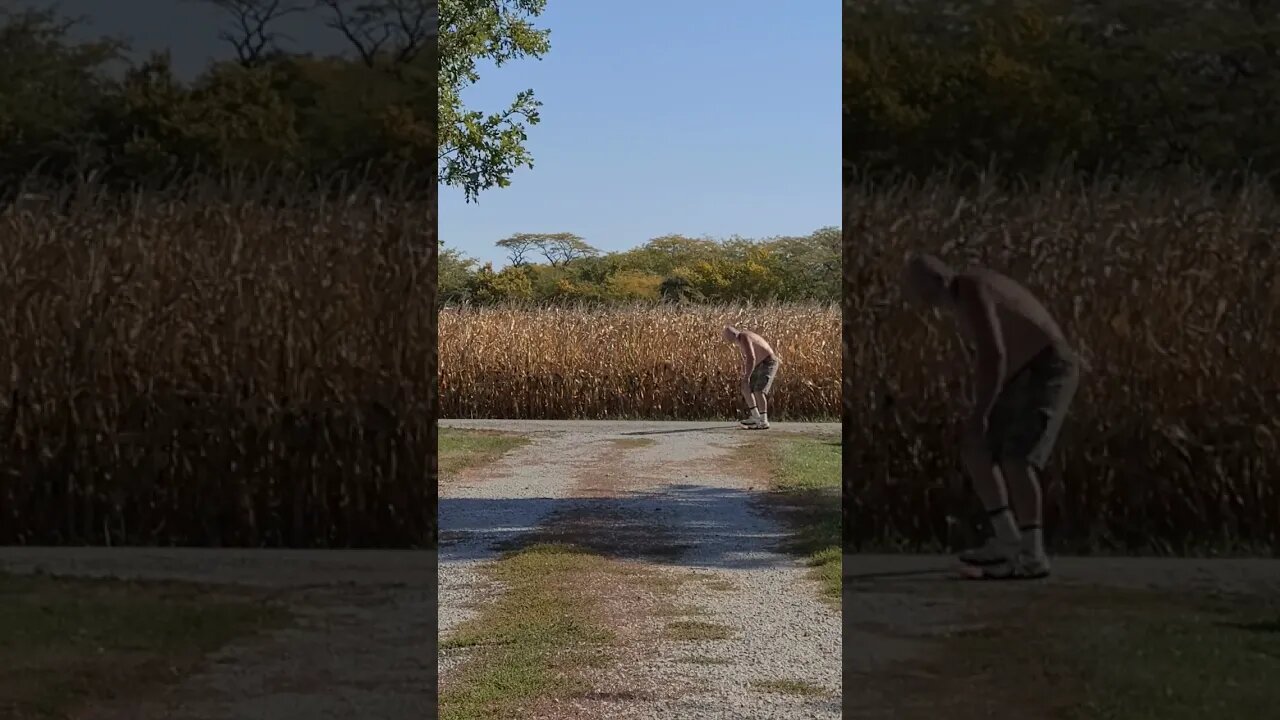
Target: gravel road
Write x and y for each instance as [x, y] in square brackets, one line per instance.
[362, 647]
[681, 481]
[367, 634]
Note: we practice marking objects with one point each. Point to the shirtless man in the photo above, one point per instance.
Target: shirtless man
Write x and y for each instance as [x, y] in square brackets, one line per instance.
[1025, 377]
[759, 366]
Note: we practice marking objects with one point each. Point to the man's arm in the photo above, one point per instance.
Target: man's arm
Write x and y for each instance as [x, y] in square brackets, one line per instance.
[748, 357]
[989, 366]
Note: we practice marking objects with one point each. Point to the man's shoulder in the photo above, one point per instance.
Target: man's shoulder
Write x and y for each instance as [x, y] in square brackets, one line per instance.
[995, 284]
[971, 286]
[985, 276]
[1014, 297]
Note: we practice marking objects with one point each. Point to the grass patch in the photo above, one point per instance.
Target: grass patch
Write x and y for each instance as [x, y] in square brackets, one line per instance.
[694, 630]
[607, 532]
[706, 660]
[806, 488]
[710, 581]
[788, 687]
[632, 443]
[462, 449]
[1106, 654]
[1166, 663]
[673, 610]
[67, 644]
[528, 642]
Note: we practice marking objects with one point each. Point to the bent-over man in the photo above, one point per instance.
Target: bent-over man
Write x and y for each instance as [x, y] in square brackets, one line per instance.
[1025, 376]
[759, 366]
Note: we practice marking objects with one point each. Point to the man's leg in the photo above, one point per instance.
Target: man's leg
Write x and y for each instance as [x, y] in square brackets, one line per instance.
[757, 390]
[761, 384]
[759, 403]
[1050, 390]
[1028, 504]
[753, 410]
[1031, 420]
[991, 490]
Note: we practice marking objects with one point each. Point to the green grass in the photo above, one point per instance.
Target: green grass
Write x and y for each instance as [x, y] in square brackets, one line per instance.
[710, 581]
[806, 484]
[673, 610]
[706, 660]
[1159, 661]
[67, 644]
[530, 640]
[1110, 655]
[788, 687]
[461, 449]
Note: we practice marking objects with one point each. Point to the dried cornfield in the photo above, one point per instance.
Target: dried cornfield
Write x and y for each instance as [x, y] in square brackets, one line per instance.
[213, 366]
[1168, 288]
[644, 361]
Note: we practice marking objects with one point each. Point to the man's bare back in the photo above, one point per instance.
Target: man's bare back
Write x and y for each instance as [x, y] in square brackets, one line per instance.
[1025, 324]
[754, 350]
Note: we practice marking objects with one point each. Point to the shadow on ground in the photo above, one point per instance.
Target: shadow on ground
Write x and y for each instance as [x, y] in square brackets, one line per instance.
[692, 525]
[709, 428]
[1266, 626]
[1249, 576]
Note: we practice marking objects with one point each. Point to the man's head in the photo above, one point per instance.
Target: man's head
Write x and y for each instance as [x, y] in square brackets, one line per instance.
[925, 280]
[731, 333]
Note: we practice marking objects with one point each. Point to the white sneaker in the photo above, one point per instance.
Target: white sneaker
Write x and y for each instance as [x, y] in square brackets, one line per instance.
[1022, 566]
[761, 425]
[1032, 565]
[993, 552]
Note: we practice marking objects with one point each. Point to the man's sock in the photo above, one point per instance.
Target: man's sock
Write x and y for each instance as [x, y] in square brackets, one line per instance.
[1032, 540]
[764, 417]
[1005, 526]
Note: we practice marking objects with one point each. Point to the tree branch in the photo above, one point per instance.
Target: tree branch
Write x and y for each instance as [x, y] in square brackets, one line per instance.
[399, 26]
[251, 37]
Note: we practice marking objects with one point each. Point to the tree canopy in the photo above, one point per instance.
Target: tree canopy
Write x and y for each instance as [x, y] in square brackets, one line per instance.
[1022, 86]
[478, 149]
[388, 110]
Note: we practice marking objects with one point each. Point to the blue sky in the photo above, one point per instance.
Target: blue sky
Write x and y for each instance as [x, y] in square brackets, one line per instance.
[711, 117]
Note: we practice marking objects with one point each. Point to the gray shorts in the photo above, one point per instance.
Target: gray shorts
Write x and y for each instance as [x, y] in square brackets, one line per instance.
[763, 374]
[1029, 411]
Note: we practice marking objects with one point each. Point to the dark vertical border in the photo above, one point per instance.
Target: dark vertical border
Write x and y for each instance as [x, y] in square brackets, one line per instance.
[433, 364]
[847, 238]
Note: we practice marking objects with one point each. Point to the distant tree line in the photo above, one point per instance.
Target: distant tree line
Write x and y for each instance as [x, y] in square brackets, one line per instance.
[1023, 86]
[554, 268]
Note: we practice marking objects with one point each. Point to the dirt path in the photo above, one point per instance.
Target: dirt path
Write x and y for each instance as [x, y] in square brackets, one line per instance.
[363, 646]
[896, 606]
[679, 506]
